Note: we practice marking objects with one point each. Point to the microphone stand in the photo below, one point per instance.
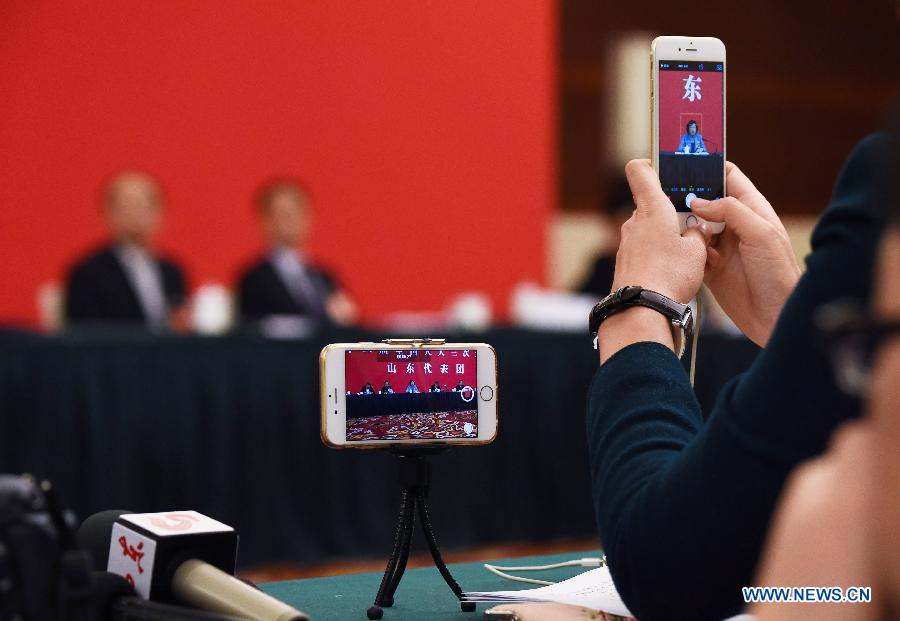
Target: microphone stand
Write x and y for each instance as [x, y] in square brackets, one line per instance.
[414, 476]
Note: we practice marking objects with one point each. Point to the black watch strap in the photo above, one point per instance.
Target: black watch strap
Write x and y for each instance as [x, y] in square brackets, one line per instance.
[678, 314]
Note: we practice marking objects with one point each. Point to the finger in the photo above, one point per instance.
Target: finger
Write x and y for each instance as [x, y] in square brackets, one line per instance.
[713, 258]
[700, 232]
[649, 198]
[739, 186]
[737, 216]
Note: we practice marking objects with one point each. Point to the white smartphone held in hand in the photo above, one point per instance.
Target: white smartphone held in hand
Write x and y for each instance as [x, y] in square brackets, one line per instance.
[687, 120]
[408, 392]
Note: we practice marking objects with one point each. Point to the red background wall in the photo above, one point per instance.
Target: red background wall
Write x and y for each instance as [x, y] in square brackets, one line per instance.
[675, 112]
[364, 366]
[425, 131]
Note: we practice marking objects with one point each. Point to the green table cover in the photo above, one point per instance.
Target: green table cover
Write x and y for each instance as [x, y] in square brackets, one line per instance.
[422, 593]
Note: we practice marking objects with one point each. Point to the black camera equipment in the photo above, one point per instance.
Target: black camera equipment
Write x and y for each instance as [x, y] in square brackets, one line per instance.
[43, 574]
[46, 576]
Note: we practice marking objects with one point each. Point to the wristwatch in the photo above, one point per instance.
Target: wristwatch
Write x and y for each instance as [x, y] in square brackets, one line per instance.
[680, 315]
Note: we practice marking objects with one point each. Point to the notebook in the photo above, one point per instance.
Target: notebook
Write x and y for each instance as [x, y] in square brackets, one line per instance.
[592, 589]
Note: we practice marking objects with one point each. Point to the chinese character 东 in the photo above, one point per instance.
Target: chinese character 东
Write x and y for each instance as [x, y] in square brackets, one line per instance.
[692, 88]
[410, 368]
[460, 369]
[445, 368]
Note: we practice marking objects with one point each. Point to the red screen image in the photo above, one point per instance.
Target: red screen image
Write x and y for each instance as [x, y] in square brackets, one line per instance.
[691, 130]
[411, 394]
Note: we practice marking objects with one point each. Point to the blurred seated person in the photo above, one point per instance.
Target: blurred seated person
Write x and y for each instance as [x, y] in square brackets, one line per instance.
[283, 282]
[367, 389]
[126, 281]
[459, 386]
[386, 388]
[412, 388]
[619, 207]
[691, 142]
[435, 388]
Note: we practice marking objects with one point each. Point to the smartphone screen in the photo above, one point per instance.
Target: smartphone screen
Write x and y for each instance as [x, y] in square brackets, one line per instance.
[411, 394]
[691, 127]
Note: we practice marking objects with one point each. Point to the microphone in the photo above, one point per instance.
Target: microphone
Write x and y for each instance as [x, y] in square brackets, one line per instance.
[179, 556]
[114, 599]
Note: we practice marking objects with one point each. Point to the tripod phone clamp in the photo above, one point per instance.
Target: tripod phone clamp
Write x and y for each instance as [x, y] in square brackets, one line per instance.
[414, 476]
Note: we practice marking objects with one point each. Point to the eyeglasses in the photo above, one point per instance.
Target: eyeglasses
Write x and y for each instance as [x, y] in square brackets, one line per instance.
[852, 338]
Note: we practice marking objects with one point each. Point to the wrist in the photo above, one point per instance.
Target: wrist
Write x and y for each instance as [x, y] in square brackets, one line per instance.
[636, 324]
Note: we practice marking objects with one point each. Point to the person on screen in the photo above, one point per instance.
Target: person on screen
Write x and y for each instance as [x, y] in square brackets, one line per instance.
[692, 141]
[283, 282]
[459, 386]
[386, 388]
[435, 388]
[412, 388]
[127, 281]
[367, 389]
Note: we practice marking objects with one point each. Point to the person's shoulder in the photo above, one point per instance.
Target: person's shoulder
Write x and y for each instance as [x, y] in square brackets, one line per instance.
[170, 265]
[255, 269]
[321, 269]
[97, 258]
[854, 201]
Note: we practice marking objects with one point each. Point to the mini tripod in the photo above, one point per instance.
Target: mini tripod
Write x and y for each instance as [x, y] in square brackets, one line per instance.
[415, 479]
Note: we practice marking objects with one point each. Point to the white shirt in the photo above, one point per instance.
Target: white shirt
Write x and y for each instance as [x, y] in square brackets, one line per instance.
[290, 266]
[142, 272]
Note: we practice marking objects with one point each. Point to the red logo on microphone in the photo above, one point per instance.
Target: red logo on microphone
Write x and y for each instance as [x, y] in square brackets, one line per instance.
[174, 521]
[134, 553]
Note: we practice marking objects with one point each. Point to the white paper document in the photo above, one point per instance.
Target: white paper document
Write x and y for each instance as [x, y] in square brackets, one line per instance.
[593, 589]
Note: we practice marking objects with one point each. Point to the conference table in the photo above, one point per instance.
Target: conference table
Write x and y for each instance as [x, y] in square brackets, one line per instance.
[422, 593]
[229, 426]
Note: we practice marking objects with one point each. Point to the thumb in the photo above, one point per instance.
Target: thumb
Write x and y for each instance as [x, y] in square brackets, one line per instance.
[649, 198]
[739, 218]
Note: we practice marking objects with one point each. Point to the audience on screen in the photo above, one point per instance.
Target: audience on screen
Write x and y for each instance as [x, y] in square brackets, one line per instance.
[692, 141]
[126, 281]
[283, 282]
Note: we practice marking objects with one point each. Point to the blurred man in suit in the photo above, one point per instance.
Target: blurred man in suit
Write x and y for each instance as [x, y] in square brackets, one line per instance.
[126, 281]
[283, 282]
[619, 207]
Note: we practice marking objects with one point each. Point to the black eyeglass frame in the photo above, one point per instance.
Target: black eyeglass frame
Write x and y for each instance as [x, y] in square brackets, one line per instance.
[851, 338]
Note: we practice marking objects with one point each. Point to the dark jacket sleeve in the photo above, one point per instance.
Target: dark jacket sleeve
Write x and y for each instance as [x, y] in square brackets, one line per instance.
[683, 506]
[173, 283]
[81, 298]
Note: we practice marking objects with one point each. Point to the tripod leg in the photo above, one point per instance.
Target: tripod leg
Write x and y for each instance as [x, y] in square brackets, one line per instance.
[436, 554]
[403, 557]
[404, 520]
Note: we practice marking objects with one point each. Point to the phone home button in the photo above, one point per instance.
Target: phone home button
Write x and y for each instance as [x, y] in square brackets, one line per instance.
[487, 393]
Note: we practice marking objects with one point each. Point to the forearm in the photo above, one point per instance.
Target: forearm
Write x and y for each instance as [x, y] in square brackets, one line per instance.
[633, 325]
[681, 507]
